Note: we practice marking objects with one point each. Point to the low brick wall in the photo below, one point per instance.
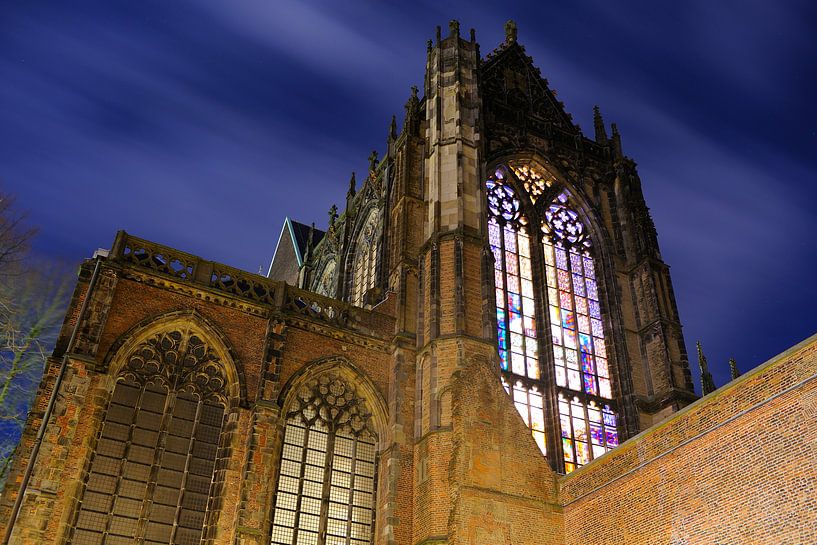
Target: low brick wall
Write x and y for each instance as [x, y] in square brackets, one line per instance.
[739, 466]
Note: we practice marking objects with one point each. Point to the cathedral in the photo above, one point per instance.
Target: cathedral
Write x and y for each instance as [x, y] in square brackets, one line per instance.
[483, 347]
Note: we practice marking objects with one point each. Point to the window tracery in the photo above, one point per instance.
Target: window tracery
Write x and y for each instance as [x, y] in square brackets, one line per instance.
[326, 485]
[586, 414]
[577, 337]
[515, 308]
[170, 392]
[327, 280]
[365, 263]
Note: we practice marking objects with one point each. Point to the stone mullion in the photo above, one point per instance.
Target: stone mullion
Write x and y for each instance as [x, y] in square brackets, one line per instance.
[327, 484]
[128, 444]
[352, 475]
[546, 358]
[147, 503]
[188, 457]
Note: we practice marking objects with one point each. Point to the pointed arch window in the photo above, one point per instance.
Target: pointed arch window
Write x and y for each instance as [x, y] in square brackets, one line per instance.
[150, 477]
[586, 420]
[515, 307]
[326, 486]
[364, 268]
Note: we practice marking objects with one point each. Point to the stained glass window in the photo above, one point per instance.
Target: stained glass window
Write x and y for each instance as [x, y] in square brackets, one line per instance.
[577, 337]
[365, 262]
[572, 311]
[515, 308]
[326, 487]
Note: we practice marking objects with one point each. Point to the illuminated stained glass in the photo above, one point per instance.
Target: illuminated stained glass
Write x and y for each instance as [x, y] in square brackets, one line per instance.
[529, 403]
[534, 181]
[581, 370]
[587, 415]
[516, 312]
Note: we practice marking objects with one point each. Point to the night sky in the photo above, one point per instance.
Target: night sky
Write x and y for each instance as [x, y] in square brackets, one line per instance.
[200, 125]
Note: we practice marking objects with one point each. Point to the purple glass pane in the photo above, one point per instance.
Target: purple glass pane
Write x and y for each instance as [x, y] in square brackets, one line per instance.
[595, 309]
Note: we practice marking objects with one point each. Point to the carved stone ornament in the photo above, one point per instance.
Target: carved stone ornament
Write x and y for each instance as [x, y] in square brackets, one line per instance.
[180, 361]
[331, 402]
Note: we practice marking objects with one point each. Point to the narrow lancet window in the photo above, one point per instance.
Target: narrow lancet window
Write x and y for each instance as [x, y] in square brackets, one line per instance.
[515, 309]
[587, 422]
[365, 262]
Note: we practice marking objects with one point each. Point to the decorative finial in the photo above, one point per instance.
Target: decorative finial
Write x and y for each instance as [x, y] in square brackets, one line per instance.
[454, 27]
[310, 240]
[333, 215]
[352, 184]
[429, 45]
[411, 123]
[373, 160]
[616, 141]
[598, 124]
[707, 384]
[473, 36]
[393, 128]
[510, 31]
[733, 368]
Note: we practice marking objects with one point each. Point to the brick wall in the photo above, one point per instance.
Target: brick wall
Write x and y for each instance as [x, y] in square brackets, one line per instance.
[738, 466]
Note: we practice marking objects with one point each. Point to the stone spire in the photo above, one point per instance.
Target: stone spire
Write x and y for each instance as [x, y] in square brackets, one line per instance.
[373, 160]
[598, 124]
[350, 193]
[510, 31]
[333, 215]
[707, 384]
[411, 124]
[733, 368]
[352, 183]
[616, 141]
[393, 128]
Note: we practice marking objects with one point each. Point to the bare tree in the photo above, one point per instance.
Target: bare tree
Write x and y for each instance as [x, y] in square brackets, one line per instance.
[15, 236]
[33, 297]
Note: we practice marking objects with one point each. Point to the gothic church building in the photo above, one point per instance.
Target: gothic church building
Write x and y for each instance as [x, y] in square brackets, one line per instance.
[482, 348]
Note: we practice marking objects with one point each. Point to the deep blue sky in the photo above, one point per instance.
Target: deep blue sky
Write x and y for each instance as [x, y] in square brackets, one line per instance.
[202, 124]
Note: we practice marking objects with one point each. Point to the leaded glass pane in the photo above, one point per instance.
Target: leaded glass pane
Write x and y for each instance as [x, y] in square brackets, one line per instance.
[326, 483]
[135, 492]
[365, 262]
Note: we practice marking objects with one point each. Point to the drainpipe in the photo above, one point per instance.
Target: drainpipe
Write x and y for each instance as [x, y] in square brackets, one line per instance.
[99, 256]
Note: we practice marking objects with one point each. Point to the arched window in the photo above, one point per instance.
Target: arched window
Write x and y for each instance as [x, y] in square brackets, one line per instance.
[364, 267]
[582, 388]
[587, 422]
[515, 307]
[326, 282]
[326, 485]
[150, 476]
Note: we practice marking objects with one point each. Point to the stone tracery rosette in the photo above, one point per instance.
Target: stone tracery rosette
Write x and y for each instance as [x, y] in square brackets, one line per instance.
[180, 361]
[330, 401]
